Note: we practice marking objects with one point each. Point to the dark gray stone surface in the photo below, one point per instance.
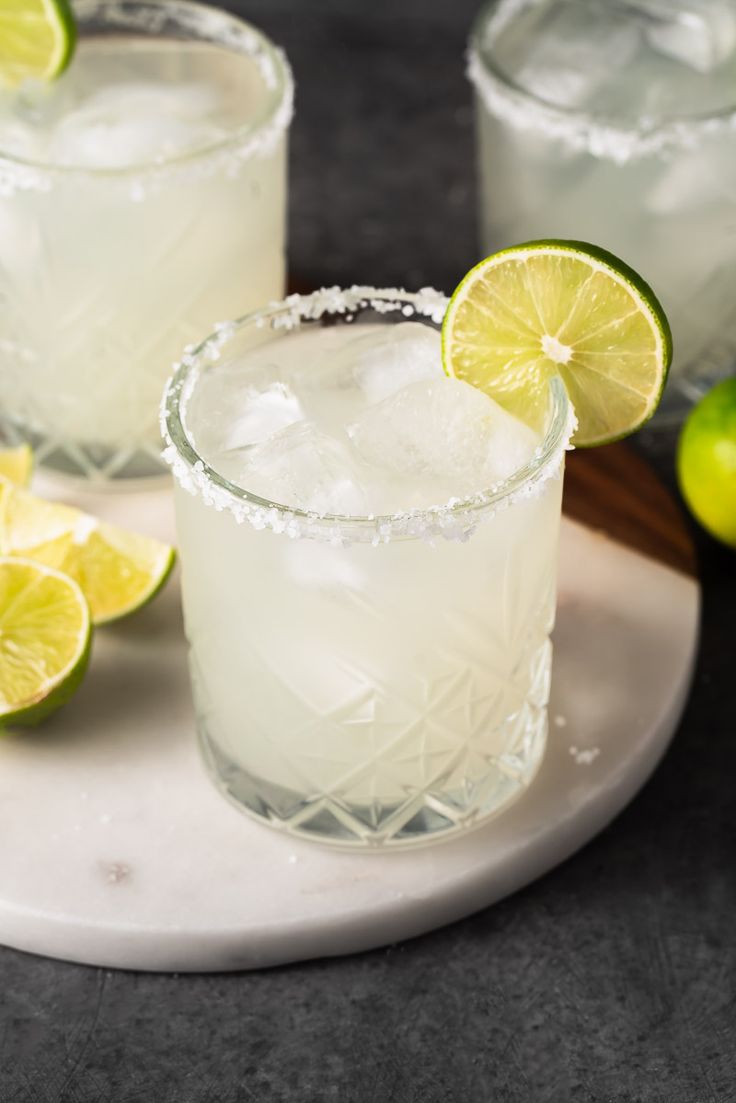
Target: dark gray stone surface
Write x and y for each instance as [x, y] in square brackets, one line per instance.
[613, 979]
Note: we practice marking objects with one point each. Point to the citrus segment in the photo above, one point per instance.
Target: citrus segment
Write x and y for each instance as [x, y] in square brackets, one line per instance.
[118, 571]
[45, 634]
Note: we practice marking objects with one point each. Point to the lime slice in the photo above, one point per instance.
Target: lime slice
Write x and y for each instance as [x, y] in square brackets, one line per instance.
[45, 635]
[118, 571]
[36, 39]
[706, 461]
[16, 464]
[566, 308]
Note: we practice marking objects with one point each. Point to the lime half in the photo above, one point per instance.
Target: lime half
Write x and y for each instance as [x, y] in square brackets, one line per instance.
[45, 634]
[118, 571]
[36, 39]
[16, 464]
[565, 308]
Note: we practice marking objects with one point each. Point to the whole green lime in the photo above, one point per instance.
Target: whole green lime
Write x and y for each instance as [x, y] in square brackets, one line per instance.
[706, 461]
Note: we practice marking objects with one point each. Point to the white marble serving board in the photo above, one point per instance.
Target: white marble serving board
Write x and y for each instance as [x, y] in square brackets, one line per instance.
[117, 851]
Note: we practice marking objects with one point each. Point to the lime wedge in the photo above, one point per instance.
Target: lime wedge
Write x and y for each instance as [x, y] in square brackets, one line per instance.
[45, 635]
[118, 571]
[566, 308]
[16, 464]
[37, 39]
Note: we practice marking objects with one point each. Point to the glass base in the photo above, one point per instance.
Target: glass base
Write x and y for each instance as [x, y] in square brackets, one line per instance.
[90, 461]
[427, 815]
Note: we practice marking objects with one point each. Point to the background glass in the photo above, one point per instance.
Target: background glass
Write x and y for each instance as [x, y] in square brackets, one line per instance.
[598, 123]
[106, 272]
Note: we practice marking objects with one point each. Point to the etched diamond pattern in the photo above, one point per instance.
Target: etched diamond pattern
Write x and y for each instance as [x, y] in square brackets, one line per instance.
[99, 295]
[455, 751]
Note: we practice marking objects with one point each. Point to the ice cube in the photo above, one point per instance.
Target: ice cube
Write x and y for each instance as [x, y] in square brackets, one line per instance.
[125, 125]
[299, 467]
[404, 354]
[261, 414]
[574, 50]
[27, 116]
[380, 362]
[240, 404]
[700, 33]
[181, 101]
[317, 565]
[443, 430]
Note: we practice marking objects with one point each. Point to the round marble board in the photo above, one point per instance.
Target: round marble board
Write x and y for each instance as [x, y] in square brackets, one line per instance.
[117, 850]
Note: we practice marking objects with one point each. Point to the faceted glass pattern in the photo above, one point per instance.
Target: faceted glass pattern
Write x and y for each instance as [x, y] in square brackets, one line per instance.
[371, 695]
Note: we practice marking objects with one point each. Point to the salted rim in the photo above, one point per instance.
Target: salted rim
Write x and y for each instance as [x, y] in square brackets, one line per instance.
[595, 134]
[455, 520]
[257, 137]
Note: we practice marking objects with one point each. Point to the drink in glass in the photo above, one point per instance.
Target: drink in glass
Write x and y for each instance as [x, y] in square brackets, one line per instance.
[142, 198]
[369, 566]
[614, 121]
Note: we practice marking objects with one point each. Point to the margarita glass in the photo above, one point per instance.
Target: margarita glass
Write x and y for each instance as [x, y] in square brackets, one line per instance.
[363, 673]
[614, 122]
[142, 197]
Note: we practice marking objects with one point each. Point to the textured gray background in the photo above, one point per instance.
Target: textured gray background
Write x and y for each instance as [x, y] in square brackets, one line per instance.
[611, 980]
